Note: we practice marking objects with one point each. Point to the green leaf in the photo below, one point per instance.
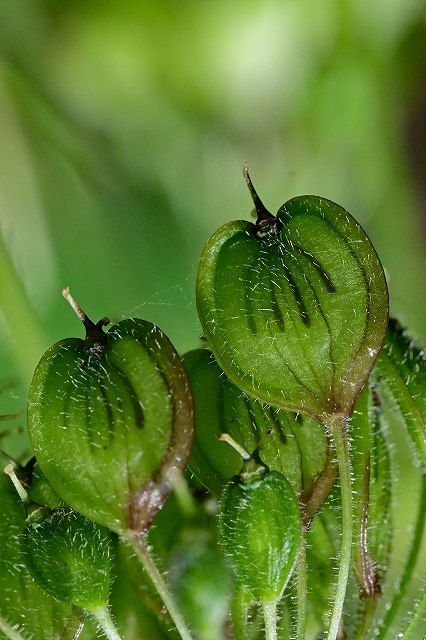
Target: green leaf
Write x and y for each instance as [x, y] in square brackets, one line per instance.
[110, 420]
[295, 307]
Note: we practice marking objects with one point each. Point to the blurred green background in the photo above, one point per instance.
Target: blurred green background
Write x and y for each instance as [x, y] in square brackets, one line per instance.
[124, 127]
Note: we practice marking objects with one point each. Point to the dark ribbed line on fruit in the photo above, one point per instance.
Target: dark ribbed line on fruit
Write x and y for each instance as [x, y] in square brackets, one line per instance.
[327, 324]
[265, 414]
[172, 390]
[312, 287]
[298, 417]
[108, 412]
[318, 267]
[136, 405]
[279, 319]
[277, 424]
[304, 315]
[139, 418]
[366, 282]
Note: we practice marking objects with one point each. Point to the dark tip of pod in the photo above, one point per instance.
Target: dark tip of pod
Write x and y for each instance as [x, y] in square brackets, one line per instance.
[264, 217]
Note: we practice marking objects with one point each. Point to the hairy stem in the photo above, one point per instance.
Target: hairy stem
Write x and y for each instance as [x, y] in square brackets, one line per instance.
[142, 551]
[241, 602]
[338, 429]
[302, 590]
[9, 631]
[105, 622]
[270, 616]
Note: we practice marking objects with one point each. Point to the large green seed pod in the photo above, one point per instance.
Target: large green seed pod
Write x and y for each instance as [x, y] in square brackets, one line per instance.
[111, 422]
[294, 307]
[260, 531]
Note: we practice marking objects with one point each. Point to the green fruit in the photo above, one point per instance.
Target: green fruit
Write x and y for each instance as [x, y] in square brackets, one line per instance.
[293, 445]
[110, 420]
[69, 556]
[24, 605]
[294, 307]
[260, 531]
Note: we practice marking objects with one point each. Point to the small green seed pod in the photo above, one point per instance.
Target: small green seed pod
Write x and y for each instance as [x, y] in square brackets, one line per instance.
[260, 530]
[70, 557]
[24, 606]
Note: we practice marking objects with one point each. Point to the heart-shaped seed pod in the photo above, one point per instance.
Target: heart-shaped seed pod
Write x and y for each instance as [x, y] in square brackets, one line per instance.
[290, 443]
[260, 530]
[294, 307]
[110, 421]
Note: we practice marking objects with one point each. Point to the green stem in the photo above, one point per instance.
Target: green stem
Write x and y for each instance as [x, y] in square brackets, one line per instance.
[270, 616]
[139, 545]
[368, 611]
[9, 631]
[241, 602]
[105, 622]
[338, 428]
[302, 590]
[80, 627]
[401, 590]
